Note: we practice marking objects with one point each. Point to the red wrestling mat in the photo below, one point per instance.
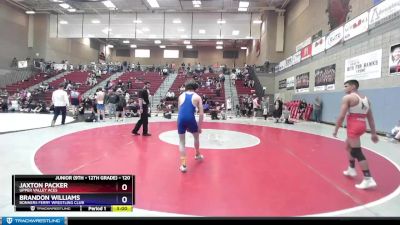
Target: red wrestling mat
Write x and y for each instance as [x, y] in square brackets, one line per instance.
[288, 174]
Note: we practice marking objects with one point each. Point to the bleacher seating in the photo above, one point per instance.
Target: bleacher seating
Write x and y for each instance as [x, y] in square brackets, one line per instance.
[138, 78]
[241, 89]
[33, 80]
[208, 91]
[76, 77]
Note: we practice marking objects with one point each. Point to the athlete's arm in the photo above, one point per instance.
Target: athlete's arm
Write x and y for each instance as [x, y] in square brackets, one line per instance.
[371, 122]
[343, 110]
[201, 112]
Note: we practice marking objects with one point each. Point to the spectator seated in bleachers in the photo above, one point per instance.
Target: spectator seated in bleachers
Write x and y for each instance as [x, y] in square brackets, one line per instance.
[14, 104]
[132, 109]
[206, 107]
[3, 105]
[217, 110]
[167, 113]
[286, 115]
[394, 134]
[165, 71]
[170, 96]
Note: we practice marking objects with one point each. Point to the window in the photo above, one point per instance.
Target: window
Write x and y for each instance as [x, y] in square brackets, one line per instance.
[123, 52]
[171, 54]
[230, 54]
[190, 54]
[142, 53]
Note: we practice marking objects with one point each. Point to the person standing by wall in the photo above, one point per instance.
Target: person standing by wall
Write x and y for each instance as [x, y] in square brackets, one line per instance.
[317, 109]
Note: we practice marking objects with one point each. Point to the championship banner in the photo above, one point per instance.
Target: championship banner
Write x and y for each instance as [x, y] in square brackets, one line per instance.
[325, 78]
[290, 83]
[303, 44]
[60, 66]
[22, 64]
[318, 46]
[334, 38]
[296, 58]
[289, 62]
[306, 52]
[356, 26]
[282, 65]
[364, 67]
[303, 83]
[282, 84]
[385, 11]
[394, 60]
[316, 36]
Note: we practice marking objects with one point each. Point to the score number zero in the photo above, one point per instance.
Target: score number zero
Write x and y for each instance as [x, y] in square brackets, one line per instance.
[124, 187]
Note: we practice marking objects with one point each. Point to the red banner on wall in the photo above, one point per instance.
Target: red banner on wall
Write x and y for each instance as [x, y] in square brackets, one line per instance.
[306, 52]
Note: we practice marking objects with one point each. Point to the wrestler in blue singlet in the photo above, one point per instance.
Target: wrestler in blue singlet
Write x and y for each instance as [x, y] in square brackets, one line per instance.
[186, 118]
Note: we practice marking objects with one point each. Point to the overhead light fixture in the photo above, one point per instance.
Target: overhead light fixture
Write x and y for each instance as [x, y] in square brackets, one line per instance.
[126, 42]
[30, 12]
[201, 31]
[157, 42]
[176, 21]
[162, 46]
[96, 21]
[257, 21]
[189, 46]
[110, 46]
[153, 3]
[196, 2]
[243, 4]
[221, 21]
[133, 46]
[235, 32]
[181, 29]
[220, 42]
[71, 10]
[219, 47]
[63, 22]
[64, 5]
[109, 4]
[138, 21]
[186, 42]
[57, 0]
[196, 6]
[244, 48]
[242, 9]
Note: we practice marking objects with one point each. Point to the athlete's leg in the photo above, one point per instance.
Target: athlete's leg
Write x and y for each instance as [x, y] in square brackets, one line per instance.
[356, 152]
[182, 152]
[198, 155]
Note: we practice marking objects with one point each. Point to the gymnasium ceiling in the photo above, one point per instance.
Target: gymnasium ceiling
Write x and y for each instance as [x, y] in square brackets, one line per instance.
[96, 7]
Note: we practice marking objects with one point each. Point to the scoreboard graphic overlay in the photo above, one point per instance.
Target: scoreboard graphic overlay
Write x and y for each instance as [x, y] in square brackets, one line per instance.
[114, 193]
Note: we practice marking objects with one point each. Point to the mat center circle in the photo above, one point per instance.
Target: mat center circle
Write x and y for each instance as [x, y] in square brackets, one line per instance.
[214, 139]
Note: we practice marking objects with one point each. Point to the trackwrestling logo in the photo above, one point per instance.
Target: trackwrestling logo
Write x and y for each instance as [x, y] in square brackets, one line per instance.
[33, 220]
